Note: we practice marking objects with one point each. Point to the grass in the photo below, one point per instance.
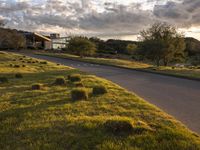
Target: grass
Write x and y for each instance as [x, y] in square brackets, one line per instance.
[49, 119]
[182, 72]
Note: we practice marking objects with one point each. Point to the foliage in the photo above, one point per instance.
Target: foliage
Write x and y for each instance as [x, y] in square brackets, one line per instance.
[98, 90]
[60, 81]
[3, 79]
[79, 94]
[18, 75]
[36, 86]
[82, 46]
[162, 42]
[131, 49]
[74, 77]
[11, 39]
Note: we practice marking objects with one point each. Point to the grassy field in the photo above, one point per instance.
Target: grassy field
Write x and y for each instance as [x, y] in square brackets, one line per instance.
[184, 72]
[49, 119]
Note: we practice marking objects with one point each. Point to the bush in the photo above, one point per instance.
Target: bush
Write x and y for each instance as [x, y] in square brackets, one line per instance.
[43, 62]
[75, 78]
[37, 86]
[11, 65]
[18, 75]
[78, 84]
[17, 66]
[79, 94]
[60, 81]
[118, 126]
[23, 65]
[98, 90]
[3, 79]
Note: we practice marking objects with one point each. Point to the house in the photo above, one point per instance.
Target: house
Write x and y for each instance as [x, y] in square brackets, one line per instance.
[57, 42]
[36, 41]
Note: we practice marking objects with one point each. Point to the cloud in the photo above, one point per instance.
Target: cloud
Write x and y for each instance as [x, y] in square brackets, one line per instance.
[183, 14]
[92, 17]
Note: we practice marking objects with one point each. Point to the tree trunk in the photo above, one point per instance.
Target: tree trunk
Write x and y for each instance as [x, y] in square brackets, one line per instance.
[157, 62]
[165, 61]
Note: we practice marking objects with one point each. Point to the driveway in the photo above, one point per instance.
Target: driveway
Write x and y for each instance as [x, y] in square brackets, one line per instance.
[178, 97]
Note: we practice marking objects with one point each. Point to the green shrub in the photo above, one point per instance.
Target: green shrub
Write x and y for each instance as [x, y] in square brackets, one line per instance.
[79, 94]
[18, 75]
[37, 86]
[20, 58]
[43, 62]
[17, 66]
[118, 126]
[23, 65]
[11, 65]
[98, 90]
[60, 81]
[3, 79]
[74, 77]
[78, 84]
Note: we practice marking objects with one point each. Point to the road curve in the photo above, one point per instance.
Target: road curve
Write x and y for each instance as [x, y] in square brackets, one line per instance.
[178, 97]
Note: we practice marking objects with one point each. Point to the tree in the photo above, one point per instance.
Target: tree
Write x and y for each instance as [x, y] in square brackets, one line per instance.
[162, 42]
[131, 49]
[82, 46]
[11, 39]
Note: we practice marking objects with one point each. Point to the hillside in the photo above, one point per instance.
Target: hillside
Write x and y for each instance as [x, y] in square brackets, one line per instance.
[192, 46]
[48, 118]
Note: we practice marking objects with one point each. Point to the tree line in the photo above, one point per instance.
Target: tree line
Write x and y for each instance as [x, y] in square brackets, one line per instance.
[161, 44]
[11, 39]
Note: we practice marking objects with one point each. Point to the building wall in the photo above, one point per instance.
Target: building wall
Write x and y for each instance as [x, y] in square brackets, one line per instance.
[47, 45]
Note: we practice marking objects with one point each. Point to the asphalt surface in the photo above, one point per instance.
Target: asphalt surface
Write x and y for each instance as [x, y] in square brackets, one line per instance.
[178, 97]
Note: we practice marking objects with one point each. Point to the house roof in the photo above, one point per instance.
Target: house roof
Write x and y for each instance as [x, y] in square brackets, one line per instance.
[42, 37]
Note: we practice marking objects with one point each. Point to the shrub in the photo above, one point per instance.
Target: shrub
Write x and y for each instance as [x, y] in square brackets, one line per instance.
[119, 126]
[3, 79]
[43, 62]
[75, 78]
[79, 94]
[98, 90]
[23, 65]
[11, 65]
[17, 66]
[78, 84]
[37, 86]
[18, 75]
[20, 58]
[60, 81]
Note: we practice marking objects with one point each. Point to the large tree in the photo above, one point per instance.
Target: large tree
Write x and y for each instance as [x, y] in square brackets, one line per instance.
[162, 43]
[11, 39]
[82, 46]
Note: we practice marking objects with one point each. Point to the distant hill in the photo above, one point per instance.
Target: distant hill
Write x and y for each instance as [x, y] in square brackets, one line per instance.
[192, 46]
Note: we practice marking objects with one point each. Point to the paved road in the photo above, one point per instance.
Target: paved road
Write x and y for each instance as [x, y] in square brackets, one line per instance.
[178, 97]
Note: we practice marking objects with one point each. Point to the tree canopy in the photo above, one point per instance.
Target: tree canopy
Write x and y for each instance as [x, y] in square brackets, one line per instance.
[82, 46]
[162, 42]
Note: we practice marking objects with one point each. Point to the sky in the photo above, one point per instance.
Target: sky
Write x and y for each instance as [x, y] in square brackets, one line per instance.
[118, 19]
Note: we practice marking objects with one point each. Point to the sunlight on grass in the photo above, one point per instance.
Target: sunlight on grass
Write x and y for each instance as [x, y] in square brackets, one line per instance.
[48, 118]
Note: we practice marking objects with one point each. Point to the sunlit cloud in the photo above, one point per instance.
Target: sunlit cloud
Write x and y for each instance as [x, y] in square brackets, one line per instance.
[106, 18]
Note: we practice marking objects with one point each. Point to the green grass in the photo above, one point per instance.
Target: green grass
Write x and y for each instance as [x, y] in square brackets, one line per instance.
[49, 119]
[182, 72]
